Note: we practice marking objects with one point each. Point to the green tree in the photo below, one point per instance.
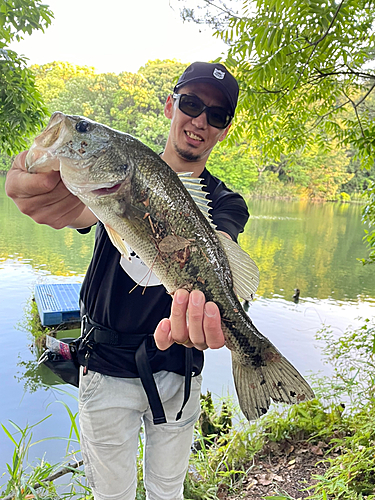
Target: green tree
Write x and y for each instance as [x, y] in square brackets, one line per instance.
[369, 218]
[5, 162]
[128, 101]
[134, 99]
[235, 165]
[153, 130]
[21, 109]
[90, 95]
[361, 178]
[51, 78]
[162, 76]
[319, 173]
[77, 90]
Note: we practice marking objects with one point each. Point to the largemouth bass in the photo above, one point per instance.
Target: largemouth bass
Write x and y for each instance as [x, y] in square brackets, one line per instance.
[163, 217]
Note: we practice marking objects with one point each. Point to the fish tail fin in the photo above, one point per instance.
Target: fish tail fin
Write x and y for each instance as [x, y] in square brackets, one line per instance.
[275, 380]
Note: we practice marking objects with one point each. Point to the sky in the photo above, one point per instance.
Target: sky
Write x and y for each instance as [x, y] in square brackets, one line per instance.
[118, 35]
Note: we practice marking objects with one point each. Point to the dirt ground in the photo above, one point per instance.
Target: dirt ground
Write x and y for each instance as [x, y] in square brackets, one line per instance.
[282, 468]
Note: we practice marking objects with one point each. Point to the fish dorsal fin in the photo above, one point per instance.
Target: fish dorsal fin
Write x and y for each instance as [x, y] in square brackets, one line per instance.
[195, 187]
[244, 270]
[118, 242]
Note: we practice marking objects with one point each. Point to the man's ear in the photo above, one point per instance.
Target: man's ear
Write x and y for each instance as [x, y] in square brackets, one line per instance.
[168, 108]
[224, 134]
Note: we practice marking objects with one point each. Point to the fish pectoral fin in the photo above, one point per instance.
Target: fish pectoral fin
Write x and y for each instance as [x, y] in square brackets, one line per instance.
[275, 380]
[244, 270]
[118, 242]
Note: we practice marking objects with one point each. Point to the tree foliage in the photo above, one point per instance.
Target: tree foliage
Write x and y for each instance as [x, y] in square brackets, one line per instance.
[131, 102]
[162, 76]
[21, 108]
[303, 69]
[306, 75]
[235, 165]
[303, 74]
[52, 78]
[319, 173]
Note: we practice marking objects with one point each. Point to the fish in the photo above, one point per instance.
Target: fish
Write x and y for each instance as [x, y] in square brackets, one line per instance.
[164, 218]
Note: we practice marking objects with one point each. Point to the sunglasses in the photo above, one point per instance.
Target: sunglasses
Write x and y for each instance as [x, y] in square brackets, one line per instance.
[192, 106]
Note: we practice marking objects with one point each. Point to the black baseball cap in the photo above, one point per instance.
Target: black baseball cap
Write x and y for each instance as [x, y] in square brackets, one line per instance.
[213, 73]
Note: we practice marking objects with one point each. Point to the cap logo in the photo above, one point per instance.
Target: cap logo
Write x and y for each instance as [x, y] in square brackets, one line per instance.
[218, 74]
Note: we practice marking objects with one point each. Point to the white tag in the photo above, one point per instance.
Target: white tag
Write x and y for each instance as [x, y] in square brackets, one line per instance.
[137, 270]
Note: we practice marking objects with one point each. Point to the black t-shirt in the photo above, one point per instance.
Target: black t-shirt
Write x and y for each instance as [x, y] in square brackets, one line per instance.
[106, 287]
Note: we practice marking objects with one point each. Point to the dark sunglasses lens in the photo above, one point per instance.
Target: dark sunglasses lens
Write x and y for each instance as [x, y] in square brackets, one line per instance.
[218, 117]
[190, 105]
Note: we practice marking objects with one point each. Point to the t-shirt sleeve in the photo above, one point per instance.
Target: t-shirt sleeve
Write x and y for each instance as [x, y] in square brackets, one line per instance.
[230, 214]
[228, 209]
[85, 230]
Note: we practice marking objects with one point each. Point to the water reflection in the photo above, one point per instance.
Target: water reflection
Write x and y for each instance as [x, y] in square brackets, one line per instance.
[311, 247]
[60, 253]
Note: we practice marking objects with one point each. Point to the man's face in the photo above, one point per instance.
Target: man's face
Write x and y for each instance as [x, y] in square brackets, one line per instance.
[193, 138]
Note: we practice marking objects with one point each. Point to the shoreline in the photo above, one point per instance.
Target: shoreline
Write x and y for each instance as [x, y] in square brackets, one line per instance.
[250, 197]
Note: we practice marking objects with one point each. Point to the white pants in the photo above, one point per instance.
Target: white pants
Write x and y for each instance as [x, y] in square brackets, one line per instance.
[112, 411]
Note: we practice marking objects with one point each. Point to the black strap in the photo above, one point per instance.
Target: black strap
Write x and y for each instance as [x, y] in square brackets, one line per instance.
[188, 375]
[102, 335]
[149, 385]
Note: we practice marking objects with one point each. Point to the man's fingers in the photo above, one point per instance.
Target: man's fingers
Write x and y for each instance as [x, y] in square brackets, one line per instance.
[195, 314]
[179, 328]
[42, 196]
[212, 326]
[56, 210]
[27, 184]
[203, 328]
[162, 335]
[38, 184]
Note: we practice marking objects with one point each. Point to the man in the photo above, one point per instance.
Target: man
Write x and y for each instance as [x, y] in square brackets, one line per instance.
[127, 380]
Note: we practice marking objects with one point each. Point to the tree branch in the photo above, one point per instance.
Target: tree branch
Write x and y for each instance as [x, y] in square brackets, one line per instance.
[321, 118]
[351, 71]
[224, 10]
[366, 95]
[330, 25]
[356, 112]
[315, 44]
[188, 14]
[309, 44]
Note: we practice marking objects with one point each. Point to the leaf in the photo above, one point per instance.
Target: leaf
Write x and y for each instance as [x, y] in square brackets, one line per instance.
[9, 435]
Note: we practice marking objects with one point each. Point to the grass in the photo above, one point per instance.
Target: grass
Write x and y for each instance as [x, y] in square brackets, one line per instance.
[26, 481]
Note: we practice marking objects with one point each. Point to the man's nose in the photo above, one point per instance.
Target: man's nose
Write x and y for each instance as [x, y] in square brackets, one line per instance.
[200, 121]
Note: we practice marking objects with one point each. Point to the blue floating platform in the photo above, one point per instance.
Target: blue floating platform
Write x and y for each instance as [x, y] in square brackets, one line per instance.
[58, 303]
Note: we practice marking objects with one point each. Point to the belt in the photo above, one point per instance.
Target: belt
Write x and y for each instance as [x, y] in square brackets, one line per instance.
[94, 333]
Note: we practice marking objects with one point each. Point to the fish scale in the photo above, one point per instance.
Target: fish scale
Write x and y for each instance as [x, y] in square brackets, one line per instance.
[145, 205]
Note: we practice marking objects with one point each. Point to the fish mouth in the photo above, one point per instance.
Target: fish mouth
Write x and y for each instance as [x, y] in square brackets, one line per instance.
[42, 153]
[106, 190]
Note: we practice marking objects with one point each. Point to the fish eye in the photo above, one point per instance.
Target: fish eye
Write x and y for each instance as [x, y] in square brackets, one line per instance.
[83, 126]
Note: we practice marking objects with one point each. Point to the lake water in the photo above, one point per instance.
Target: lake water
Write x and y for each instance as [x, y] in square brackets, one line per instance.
[313, 247]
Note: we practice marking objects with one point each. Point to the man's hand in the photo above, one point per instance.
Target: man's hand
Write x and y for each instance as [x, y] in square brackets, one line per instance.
[43, 196]
[200, 327]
